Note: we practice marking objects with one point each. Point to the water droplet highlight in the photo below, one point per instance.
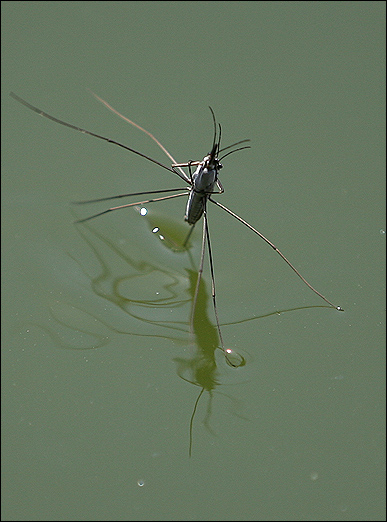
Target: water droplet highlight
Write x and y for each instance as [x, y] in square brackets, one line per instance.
[234, 359]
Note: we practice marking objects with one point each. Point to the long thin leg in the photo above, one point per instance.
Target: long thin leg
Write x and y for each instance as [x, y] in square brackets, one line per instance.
[126, 196]
[183, 174]
[84, 131]
[206, 240]
[213, 292]
[131, 205]
[276, 249]
[200, 273]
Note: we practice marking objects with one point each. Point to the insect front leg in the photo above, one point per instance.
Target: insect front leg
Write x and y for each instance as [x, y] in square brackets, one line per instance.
[190, 170]
[220, 187]
[188, 165]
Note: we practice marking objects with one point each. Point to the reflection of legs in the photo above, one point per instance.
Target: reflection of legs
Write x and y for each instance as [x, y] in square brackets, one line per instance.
[191, 421]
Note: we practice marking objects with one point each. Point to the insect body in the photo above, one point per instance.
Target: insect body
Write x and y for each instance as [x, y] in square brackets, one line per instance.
[202, 183]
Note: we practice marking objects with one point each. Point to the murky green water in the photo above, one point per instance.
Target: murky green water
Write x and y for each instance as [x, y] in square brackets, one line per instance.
[105, 389]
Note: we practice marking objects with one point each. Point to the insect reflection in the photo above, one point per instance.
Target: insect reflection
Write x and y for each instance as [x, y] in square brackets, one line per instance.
[113, 282]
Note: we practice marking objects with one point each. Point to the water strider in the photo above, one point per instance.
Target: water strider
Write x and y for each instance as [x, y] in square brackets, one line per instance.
[203, 183]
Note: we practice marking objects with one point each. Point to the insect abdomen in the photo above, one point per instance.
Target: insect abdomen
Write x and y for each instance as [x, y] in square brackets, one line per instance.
[194, 208]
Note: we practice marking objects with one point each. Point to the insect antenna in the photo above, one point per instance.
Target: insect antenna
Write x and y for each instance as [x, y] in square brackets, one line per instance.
[215, 143]
[234, 144]
[235, 150]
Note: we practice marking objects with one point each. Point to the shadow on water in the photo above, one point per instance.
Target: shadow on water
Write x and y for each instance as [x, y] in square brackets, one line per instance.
[122, 271]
